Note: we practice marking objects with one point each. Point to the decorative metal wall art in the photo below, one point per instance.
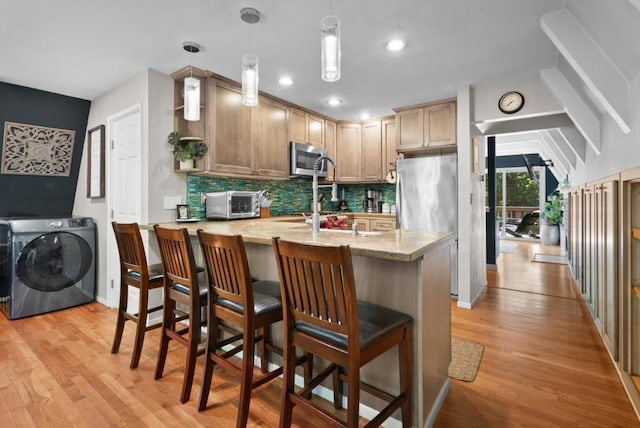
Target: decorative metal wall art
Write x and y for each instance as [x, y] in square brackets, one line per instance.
[37, 150]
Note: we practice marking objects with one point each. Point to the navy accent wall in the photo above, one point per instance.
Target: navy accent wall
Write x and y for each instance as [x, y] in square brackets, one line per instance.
[38, 196]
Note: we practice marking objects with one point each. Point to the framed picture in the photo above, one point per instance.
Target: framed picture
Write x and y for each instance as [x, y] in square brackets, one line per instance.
[184, 213]
[95, 163]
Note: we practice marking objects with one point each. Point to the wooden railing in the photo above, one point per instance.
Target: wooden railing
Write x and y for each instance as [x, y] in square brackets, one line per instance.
[514, 214]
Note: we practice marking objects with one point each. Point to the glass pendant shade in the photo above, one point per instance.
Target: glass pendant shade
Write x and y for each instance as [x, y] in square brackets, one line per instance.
[191, 99]
[249, 80]
[330, 45]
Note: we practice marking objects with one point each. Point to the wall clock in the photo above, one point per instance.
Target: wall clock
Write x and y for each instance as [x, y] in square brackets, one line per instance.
[511, 102]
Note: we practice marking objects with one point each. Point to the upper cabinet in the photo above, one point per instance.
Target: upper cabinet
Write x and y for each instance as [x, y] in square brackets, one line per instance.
[371, 151]
[425, 127]
[348, 148]
[389, 154]
[248, 140]
[306, 128]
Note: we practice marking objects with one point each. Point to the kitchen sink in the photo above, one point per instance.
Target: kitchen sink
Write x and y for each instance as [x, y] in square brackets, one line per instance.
[349, 231]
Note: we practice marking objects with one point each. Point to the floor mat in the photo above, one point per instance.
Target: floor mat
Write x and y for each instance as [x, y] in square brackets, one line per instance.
[465, 359]
[548, 258]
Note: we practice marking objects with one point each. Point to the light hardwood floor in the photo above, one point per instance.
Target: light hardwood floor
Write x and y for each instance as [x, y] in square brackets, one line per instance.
[544, 365]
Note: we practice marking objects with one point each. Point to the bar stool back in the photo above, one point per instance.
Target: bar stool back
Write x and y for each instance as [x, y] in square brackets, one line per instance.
[182, 284]
[322, 316]
[134, 272]
[231, 291]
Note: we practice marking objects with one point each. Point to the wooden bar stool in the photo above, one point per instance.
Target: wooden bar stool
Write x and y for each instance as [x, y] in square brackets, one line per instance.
[182, 284]
[134, 272]
[231, 290]
[322, 316]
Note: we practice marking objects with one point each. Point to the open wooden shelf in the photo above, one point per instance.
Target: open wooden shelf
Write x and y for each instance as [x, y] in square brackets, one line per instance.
[635, 232]
[636, 289]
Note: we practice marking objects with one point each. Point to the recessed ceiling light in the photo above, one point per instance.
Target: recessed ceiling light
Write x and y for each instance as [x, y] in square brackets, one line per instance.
[396, 45]
[365, 116]
[334, 102]
[285, 81]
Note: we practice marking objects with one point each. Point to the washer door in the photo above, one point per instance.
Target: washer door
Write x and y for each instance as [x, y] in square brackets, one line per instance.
[54, 261]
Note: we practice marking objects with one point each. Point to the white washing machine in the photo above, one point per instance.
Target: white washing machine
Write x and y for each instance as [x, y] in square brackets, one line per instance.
[46, 265]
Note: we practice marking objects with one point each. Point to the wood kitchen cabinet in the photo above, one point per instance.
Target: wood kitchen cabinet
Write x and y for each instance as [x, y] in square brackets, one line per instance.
[426, 126]
[382, 224]
[330, 145]
[269, 138]
[348, 152]
[230, 151]
[371, 151]
[306, 128]
[248, 140]
[389, 154]
[359, 152]
[607, 257]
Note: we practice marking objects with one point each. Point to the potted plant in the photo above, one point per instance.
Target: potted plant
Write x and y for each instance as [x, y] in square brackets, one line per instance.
[186, 150]
[551, 219]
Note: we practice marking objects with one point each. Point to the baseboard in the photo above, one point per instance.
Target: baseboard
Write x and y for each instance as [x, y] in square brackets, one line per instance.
[442, 395]
[102, 301]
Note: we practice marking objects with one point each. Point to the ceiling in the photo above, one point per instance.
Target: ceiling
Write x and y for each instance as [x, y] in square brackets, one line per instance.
[85, 48]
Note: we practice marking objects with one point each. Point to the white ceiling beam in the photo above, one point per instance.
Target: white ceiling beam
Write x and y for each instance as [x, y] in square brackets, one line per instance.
[598, 72]
[580, 113]
[554, 169]
[558, 160]
[561, 144]
[575, 141]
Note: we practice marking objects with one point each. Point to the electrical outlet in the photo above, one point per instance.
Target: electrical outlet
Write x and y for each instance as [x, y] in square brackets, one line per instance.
[170, 202]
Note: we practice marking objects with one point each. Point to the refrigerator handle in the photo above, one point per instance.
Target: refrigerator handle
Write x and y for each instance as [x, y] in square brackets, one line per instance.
[398, 200]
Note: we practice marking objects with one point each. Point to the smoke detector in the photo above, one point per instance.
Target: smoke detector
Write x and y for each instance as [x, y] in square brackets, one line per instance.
[250, 15]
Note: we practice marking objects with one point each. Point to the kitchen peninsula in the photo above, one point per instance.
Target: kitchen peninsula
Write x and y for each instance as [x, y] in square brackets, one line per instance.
[405, 270]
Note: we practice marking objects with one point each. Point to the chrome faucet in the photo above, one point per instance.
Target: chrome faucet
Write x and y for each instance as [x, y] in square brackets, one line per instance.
[315, 219]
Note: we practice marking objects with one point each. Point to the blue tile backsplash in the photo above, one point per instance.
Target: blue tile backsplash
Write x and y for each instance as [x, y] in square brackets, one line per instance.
[288, 195]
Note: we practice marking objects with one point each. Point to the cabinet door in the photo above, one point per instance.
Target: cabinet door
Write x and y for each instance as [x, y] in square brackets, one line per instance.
[575, 211]
[348, 152]
[364, 224]
[371, 151]
[232, 150]
[298, 126]
[440, 125]
[409, 131]
[609, 234]
[388, 145]
[316, 131]
[330, 144]
[269, 123]
[382, 225]
[589, 247]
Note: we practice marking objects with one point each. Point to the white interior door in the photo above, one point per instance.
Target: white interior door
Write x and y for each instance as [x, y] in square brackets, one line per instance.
[125, 187]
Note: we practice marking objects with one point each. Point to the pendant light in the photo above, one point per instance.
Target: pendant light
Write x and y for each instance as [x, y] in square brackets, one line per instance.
[250, 62]
[330, 47]
[191, 88]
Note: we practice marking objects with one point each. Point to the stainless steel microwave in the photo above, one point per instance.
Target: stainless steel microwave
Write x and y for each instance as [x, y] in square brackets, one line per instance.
[232, 205]
[303, 156]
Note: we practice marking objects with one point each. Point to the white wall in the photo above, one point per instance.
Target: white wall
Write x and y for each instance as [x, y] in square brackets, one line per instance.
[538, 99]
[471, 230]
[154, 92]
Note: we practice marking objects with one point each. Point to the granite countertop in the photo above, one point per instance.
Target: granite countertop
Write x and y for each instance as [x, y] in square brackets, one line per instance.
[401, 245]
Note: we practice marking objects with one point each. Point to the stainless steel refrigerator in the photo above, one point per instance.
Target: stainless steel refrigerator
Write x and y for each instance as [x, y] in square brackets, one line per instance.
[427, 198]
